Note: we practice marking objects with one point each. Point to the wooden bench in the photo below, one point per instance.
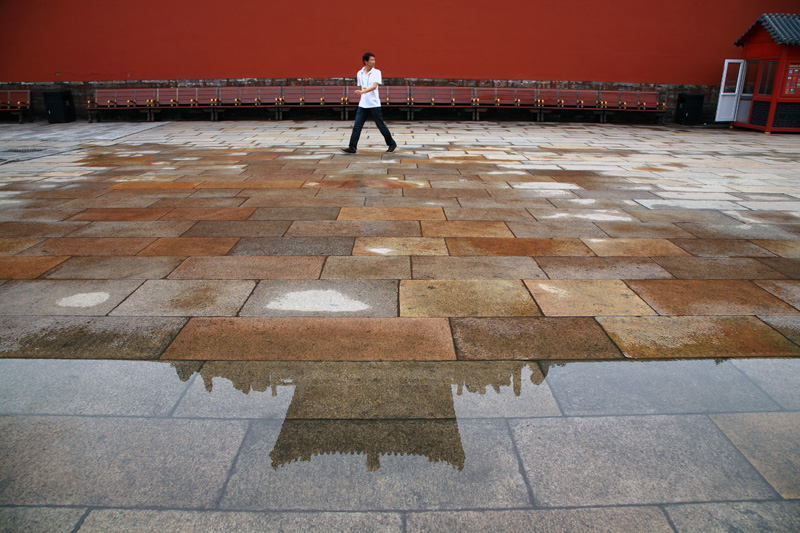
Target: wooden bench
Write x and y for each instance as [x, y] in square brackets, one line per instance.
[16, 102]
[407, 98]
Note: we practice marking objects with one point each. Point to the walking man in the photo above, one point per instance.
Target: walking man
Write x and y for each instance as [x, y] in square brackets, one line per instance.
[368, 79]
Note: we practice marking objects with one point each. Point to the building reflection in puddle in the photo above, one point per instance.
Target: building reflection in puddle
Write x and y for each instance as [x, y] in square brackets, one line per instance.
[370, 409]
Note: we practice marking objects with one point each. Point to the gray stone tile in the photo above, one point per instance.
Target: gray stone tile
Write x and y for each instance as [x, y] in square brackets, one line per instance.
[554, 229]
[50, 519]
[187, 298]
[643, 230]
[122, 267]
[294, 246]
[140, 228]
[722, 248]
[365, 465]
[295, 213]
[475, 267]
[63, 297]
[132, 521]
[738, 230]
[365, 298]
[607, 519]
[633, 461]
[367, 267]
[602, 268]
[744, 517]
[87, 337]
[38, 229]
[777, 377]
[786, 266]
[717, 268]
[116, 462]
[654, 387]
[788, 326]
[238, 228]
[75, 387]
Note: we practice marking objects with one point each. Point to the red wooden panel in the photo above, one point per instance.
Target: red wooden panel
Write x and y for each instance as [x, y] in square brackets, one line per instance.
[441, 95]
[588, 98]
[167, 96]
[293, 95]
[649, 100]
[462, 96]
[629, 99]
[568, 97]
[334, 95]
[609, 99]
[527, 96]
[313, 94]
[548, 97]
[270, 94]
[19, 99]
[396, 95]
[206, 96]
[105, 97]
[230, 96]
[485, 96]
[506, 96]
[127, 98]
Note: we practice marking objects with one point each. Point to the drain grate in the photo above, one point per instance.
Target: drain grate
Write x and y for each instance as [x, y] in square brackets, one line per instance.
[23, 150]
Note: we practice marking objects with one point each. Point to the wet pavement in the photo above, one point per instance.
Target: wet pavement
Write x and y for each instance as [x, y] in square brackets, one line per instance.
[234, 326]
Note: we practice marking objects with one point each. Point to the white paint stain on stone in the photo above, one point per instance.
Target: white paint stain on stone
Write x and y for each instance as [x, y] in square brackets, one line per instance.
[382, 251]
[84, 299]
[317, 301]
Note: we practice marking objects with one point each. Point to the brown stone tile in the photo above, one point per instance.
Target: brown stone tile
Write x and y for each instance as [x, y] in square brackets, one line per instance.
[788, 291]
[354, 228]
[678, 337]
[27, 267]
[229, 213]
[314, 339]
[708, 297]
[781, 248]
[475, 267]
[602, 268]
[560, 229]
[777, 457]
[717, 268]
[115, 267]
[643, 230]
[251, 184]
[121, 214]
[134, 185]
[465, 228]
[447, 193]
[367, 267]
[205, 202]
[140, 228]
[531, 339]
[391, 213]
[238, 228]
[11, 246]
[249, 267]
[177, 297]
[295, 213]
[722, 248]
[634, 247]
[509, 247]
[186, 246]
[300, 202]
[787, 266]
[474, 298]
[586, 298]
[90, 246]
[38, 229]
[399, 246]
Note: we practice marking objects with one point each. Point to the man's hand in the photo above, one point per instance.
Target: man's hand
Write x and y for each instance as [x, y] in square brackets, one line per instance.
[358, 92]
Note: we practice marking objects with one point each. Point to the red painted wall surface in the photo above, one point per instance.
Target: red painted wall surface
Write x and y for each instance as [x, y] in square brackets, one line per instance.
[671, 42]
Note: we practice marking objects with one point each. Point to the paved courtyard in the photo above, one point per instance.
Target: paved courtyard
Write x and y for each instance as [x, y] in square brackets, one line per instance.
[500, 326]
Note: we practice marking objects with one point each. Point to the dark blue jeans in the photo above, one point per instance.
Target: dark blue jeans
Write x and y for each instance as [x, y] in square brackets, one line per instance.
[361, 117]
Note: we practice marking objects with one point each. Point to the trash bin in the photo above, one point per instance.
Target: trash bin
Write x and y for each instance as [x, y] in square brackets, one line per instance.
[59, 106]
[689, 110]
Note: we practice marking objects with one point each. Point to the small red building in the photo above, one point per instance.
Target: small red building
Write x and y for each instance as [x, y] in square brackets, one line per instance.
[761, 91]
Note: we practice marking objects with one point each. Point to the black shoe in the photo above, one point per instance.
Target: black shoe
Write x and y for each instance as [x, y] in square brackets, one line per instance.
[391, 149]
[348, 150]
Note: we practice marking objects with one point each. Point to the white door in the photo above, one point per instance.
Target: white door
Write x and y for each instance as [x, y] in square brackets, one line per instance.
[730, 90]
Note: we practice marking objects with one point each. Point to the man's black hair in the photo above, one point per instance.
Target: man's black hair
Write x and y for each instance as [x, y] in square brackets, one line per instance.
[366, 57]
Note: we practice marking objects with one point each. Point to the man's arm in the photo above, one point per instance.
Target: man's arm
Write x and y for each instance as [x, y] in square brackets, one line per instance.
[367, 89]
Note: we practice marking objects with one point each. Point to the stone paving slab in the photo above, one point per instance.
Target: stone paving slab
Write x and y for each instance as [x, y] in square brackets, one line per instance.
[465, 298]
[63, 297]
[555, 454]
[707, 228]
[313, 339]
[778, 462]
[186, 298]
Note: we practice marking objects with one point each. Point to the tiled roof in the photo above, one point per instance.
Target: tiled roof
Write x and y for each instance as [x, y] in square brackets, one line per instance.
[784, 28]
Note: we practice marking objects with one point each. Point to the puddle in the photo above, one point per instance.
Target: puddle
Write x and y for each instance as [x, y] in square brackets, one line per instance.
[512, 436]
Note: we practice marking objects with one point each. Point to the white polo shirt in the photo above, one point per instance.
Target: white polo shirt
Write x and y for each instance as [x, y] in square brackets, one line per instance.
[365, 80]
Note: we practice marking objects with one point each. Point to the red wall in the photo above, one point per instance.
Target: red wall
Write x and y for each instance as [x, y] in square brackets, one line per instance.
[671, 42]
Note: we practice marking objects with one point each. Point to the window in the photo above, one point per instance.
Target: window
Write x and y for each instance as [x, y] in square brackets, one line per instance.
[731, 77]
[767, 79]
[750, 75]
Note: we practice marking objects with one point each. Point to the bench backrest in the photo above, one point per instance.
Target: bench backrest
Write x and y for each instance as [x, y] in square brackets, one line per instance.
[548, 97]
[333, 95]
[609, 98]
[462, 96]
[270, 94]
[206, 96]
[313, 94]
[568, 97]
[527, 96]
[485, 96]
[293, 95]
[649, 100]
[15, 99]
[588, 98]
[396, 94]
[230, 95]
